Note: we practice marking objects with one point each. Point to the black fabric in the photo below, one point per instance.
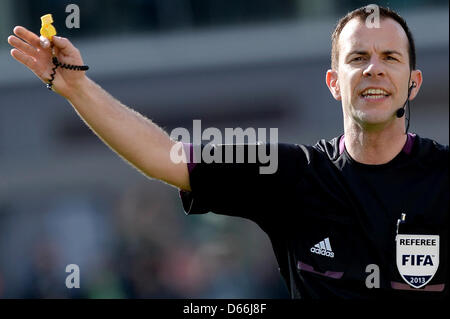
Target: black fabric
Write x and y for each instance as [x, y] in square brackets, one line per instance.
[317, 193]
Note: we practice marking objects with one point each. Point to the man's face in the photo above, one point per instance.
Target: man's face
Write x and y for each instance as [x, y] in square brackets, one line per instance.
[373, 71]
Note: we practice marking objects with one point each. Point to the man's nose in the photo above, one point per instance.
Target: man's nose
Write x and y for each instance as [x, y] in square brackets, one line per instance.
[374, 68]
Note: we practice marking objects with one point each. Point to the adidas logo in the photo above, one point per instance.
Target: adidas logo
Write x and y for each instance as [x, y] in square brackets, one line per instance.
[323, 248]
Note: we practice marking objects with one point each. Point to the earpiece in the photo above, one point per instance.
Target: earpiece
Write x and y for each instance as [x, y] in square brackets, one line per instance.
[401, 111]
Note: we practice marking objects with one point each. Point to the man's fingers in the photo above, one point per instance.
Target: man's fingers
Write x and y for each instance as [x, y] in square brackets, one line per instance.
[45, 43]
[25, 59]
[22, 46]
[27, 36]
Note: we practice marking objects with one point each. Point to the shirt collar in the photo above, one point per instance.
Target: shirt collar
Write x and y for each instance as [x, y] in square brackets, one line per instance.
[407, 148]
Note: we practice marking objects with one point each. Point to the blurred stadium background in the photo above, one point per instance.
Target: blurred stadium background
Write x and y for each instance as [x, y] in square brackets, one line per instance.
[65, 198]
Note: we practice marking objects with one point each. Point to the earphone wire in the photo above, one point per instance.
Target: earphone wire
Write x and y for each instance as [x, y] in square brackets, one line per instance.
[407, 104]
[408, 118]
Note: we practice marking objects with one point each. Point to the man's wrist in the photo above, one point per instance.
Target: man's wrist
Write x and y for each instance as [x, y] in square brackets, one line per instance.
[77, 89]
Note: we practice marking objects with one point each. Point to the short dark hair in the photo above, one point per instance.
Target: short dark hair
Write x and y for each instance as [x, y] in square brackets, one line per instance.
[361, 14]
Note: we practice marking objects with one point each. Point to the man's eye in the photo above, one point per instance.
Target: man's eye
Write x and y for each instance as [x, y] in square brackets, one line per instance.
[359, 58]
[391, 58]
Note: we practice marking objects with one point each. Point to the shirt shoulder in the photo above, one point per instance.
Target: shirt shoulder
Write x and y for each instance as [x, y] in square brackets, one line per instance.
[429, 152]
[295, 158]
[329, 148]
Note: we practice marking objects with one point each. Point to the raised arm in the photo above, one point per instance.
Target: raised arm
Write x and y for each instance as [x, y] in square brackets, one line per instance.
[134, 137]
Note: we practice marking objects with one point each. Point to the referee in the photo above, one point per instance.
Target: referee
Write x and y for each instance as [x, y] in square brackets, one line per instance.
[364, 215]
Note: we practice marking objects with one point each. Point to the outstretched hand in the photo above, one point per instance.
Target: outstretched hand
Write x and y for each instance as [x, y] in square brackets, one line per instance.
[37, 56]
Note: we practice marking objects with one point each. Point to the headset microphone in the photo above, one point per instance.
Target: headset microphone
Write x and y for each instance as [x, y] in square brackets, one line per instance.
[401, 111]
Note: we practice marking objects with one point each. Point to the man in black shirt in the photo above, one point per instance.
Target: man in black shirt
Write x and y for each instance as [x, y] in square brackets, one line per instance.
[333, 211]
[363, 215]
[330, 217]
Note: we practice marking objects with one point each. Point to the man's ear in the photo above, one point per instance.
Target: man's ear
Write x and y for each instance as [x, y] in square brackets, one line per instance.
[333, 84]
[416, 77]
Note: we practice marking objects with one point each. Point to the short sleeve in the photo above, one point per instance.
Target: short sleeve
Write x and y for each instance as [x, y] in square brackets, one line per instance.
[250, 186]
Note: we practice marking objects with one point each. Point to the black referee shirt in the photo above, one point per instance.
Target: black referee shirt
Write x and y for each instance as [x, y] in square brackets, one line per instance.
[330, 219]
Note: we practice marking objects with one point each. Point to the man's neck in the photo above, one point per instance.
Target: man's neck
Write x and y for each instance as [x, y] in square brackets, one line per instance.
[374, 147]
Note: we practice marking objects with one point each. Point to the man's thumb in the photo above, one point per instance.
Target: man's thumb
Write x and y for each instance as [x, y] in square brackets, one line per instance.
[63, 44]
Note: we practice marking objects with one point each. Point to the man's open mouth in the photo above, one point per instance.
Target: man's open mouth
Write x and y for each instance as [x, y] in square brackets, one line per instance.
[374, 93]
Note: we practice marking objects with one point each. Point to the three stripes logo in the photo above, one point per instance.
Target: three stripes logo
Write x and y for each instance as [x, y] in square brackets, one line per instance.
[323, 248]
